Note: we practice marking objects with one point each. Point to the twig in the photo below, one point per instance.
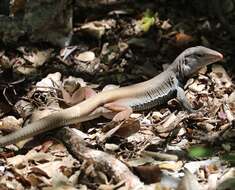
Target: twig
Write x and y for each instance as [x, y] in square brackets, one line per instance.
[102, 161]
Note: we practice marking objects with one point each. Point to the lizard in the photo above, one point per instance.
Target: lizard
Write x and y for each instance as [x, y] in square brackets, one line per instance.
[119, 103]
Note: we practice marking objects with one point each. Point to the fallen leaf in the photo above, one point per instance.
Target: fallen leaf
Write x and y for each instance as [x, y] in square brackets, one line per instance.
[171, 165]
[149, 173]
[98, 28]
[65, 52]
[10, 124]
[35, 56]
[182, 39]
[85, 56]
[166, 25]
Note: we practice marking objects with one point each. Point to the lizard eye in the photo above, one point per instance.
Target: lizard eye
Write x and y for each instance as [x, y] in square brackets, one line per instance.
[199, 55]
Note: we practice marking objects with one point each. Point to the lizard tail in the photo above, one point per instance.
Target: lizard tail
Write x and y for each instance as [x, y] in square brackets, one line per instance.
[75, 114]
[32, 129]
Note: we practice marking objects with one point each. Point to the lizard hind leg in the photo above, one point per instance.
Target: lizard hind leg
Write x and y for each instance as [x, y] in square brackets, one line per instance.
[122, 112]
[89, 92]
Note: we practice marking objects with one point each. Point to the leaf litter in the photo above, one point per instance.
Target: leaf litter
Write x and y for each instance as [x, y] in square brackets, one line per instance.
[151, 150]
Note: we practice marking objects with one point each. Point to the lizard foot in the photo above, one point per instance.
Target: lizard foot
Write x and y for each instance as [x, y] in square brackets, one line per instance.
[123, 112]
[185, 103]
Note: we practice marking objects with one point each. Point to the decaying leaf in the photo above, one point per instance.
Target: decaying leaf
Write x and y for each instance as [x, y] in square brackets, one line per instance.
[125, 129]
[85, 56]
[111, 147]
[182, 39]
[110, 53]
[170, 122]
[166, 25]
[128, 128]
[49, 82]
[221, 78]
[17, 6]
[10, 124]
[42, 168]
[38, 58]
[98, 28]
[148, 173]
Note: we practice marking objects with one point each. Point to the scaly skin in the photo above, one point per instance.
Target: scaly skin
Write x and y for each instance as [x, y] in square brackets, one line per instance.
[124, 100]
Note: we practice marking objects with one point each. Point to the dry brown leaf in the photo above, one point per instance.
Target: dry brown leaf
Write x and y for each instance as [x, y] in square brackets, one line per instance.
[17, 6]
[111, 147]
[98, 28]
[182, 39]
[170, 122]
[197, 86]
[35, 180]
[172, 166]
[77, 96]
[39, 168]
[31, 155]
[149, 173]
[36, 56]
[10, 124]
[85, 56]
[221, 78]
[166, 25]
[39, 172]
[39, 58]
[128, 128]
[50, 82]
[124, 129]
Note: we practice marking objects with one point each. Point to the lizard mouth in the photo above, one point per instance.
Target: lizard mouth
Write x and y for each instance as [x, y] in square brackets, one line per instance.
[220, 56]
[215, 57]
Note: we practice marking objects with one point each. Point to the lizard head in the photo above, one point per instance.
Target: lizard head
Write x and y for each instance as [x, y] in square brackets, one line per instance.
[195, 58]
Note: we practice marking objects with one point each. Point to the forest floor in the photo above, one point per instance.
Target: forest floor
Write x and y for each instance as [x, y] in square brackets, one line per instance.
[153, 149]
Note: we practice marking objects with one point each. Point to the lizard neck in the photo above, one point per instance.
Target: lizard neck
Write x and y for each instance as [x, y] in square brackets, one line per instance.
[179, 69]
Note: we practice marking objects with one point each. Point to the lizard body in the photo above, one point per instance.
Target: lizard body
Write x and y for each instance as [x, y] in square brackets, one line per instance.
[124, 100]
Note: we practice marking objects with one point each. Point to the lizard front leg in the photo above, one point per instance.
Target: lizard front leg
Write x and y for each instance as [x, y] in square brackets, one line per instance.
[183, 100]
[119, 111]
